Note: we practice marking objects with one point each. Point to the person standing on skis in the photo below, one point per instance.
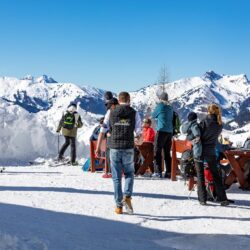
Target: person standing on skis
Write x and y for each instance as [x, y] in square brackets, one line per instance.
[69, 124]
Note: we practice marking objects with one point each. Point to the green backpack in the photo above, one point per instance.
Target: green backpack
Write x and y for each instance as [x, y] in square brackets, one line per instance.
[69, 120]
[176, 123]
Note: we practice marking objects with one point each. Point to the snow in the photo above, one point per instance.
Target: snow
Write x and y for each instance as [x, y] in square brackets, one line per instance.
[31, 107]
[65, 208]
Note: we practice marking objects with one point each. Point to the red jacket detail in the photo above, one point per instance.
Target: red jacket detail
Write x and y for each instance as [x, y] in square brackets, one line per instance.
[148, 135]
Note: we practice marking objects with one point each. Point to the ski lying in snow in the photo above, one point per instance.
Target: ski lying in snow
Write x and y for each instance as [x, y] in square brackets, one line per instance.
[37, 162]
[1, 170]
[57, 163]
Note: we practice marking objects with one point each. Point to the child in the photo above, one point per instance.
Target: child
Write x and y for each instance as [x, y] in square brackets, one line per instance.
[147, 148]
[191, 128]
[96, 131]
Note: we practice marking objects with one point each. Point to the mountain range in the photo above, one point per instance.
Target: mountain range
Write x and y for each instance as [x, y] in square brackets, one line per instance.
[30, 109]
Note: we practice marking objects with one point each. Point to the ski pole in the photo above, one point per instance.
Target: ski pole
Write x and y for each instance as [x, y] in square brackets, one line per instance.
[58, 142]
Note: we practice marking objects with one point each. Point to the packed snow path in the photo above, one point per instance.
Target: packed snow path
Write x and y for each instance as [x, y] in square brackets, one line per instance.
[65, 208]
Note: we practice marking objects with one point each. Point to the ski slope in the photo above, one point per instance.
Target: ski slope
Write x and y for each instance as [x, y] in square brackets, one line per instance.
[65, 208]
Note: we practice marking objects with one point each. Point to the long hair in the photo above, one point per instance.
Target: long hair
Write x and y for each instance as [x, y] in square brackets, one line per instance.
[214, 109]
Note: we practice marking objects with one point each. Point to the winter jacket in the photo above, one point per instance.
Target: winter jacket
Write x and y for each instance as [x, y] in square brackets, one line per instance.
[210, 131]
[122, 126]
[164, 115]
[193, 131]
[247, 144]
[148, 134]
[70, 132]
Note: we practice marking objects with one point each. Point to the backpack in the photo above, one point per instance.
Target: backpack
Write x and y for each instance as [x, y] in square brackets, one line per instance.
[209, 184]
[187, 167]
[69, 120]
[176, 123]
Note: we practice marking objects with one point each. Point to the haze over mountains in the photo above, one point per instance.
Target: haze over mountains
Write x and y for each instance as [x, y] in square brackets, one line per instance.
[30, 109]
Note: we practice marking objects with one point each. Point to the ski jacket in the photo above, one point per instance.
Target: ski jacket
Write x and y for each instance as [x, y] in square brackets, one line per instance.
[148, 134]
[164, 115]
[210, 131]
[70, 132]
[191, 129]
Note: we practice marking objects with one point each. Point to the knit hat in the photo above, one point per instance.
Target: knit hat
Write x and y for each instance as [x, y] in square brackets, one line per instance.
[192, 116]
[163, 96]
[113, 101]
[108, 96]
[72, 104]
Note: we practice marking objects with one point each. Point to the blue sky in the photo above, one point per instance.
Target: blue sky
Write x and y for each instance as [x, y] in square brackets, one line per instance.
[122, 45]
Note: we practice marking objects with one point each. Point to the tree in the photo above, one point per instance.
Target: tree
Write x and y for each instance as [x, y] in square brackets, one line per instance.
[163, 77]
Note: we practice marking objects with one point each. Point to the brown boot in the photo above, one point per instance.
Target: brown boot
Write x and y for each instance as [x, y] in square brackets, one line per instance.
[118, 210]
[128, 204]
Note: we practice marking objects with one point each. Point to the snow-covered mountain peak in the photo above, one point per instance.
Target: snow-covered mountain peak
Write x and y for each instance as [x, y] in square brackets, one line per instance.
[45, 79]
[211, 76]
[28, 77]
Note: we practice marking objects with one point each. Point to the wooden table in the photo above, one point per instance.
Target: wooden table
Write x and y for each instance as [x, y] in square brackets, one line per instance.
[178, 146]
[237, 159]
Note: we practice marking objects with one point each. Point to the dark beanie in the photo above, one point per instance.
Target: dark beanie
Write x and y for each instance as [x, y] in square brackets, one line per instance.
[111, 102]
[72, 104]
[192, 116]
[108, 96]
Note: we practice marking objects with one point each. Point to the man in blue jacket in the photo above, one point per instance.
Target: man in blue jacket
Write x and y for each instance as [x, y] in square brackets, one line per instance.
[163, 114]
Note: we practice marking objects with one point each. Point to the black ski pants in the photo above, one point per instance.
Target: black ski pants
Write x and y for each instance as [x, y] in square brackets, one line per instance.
[163, 141]
[72, 142]
[219, 189]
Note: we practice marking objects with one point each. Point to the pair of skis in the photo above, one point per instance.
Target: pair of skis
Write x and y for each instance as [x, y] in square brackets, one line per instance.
[57, 163]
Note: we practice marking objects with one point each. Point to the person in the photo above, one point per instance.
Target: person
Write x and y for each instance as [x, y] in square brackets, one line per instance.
[211, 127]
[108, 96]
[246, 144]
[69, 124]
[112, 103]
[146, 148]
[163, 113]
[96, 131]
[122, 122]
[191, 128]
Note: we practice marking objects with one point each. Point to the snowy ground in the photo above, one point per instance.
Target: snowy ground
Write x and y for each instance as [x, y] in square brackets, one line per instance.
[65, 208]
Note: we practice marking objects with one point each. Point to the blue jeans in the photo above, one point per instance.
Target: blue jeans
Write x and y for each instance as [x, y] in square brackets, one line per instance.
[122, 160]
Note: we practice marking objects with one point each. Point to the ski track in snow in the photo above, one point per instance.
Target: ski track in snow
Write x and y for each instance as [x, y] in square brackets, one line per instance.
[65, 208]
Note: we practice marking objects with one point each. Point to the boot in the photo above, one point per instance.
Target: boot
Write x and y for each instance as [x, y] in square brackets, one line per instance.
[128, 204]
[118, 210]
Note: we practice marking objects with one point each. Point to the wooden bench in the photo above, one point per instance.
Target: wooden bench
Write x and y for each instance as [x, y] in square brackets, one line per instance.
[179, 146]
[102, 158]
[237, 159]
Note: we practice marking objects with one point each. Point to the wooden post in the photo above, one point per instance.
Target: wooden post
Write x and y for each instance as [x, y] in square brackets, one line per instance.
[174, 161]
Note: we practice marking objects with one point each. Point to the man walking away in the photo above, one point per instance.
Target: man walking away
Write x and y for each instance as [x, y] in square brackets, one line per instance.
[69, 124]
[122, 122]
